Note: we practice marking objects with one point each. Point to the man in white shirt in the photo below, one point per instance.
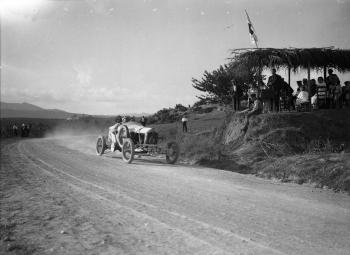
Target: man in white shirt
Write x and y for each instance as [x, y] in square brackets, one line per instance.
[184, 123]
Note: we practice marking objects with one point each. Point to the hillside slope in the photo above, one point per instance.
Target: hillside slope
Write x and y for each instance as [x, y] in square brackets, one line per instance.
[293, 147]
[25, 110]
[283, 134]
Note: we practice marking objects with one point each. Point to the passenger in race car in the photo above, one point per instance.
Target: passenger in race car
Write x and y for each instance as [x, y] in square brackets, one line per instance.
[112, 133]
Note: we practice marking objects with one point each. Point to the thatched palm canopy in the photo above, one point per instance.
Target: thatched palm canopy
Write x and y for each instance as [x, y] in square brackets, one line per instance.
[295, 58]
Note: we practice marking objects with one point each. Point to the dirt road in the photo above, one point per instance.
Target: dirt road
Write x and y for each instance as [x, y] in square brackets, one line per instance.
[59, 200]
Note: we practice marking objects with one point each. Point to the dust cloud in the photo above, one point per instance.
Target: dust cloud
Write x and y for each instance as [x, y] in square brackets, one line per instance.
[83, 140]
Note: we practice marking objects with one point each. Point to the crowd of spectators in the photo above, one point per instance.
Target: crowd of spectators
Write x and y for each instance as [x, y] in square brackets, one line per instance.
[24, 130]
[320, 94]
[325, 94]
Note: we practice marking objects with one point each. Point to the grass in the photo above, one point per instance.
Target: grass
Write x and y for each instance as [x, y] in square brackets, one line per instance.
[330, 170]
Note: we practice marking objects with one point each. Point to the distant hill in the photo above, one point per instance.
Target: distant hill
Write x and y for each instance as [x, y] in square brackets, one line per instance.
[25, 110]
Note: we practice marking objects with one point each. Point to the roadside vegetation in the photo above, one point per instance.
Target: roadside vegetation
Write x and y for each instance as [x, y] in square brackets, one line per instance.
[292, 147]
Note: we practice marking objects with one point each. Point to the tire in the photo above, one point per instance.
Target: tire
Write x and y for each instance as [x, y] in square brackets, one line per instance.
[128, 150]
[123, 132]
[100, 145]
[172, 152]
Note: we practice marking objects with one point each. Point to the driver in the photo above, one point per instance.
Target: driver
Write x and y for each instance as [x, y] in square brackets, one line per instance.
[112, 132]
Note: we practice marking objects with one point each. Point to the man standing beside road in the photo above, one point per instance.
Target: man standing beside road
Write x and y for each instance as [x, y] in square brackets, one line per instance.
[23, 130]
[15, 129]
[184, 123]
[143, 121]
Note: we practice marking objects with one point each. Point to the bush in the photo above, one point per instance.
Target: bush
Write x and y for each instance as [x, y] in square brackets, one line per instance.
[166, 115]
[205, 110]
[180, 108]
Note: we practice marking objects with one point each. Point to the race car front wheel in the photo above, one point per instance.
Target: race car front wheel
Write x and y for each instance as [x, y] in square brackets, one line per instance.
[128, 150]
[100, 145]
[123, 132]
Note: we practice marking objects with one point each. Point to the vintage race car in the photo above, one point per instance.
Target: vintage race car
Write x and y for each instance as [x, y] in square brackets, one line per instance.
[135, 139]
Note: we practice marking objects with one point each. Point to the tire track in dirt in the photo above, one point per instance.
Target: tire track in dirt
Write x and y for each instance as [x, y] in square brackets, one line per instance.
[196, 245]
[131, 209]
[214, 234]
[35, 188]
[269, 228]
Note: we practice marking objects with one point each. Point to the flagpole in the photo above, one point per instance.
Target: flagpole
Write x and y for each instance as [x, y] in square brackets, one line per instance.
[254, 37]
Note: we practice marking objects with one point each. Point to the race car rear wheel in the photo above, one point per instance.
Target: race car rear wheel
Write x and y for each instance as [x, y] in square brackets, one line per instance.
[128, 150]
[172, 152]
[100, 145]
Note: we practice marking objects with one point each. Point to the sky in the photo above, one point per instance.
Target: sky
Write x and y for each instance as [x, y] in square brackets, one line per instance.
[132, 56]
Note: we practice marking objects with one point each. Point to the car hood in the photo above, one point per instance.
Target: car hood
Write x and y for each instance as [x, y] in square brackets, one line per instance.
[137, 127]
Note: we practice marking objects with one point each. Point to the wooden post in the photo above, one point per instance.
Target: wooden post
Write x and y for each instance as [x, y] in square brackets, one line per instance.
[289, 75]
[308, 81]
[324, 80]
[308, 77]
[234, 101]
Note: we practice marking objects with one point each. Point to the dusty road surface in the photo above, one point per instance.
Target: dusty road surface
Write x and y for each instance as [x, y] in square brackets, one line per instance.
[66, 200]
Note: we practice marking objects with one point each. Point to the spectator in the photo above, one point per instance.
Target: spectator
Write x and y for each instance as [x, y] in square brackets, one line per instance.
[23, 130]
[299, 84]
[332, 79]
[321, 92]
[313, 87]
[257, 109]
[275, 84]
[287, 96]
[305, 84]
[330, 95]
[15, 130]
[184, 123]
[143, 121]
[314, 101]
[346, 93]
[337, 96]
[313, 93]
[303, 97]
[27, 130]
[320, 82]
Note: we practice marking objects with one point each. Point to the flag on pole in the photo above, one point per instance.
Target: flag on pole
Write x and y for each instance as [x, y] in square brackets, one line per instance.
[253, 36]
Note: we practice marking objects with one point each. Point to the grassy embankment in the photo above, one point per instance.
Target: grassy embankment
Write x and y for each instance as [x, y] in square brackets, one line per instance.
[292, 147]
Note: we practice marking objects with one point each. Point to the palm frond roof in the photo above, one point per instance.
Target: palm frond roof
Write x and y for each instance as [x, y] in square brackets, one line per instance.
[295, 58]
